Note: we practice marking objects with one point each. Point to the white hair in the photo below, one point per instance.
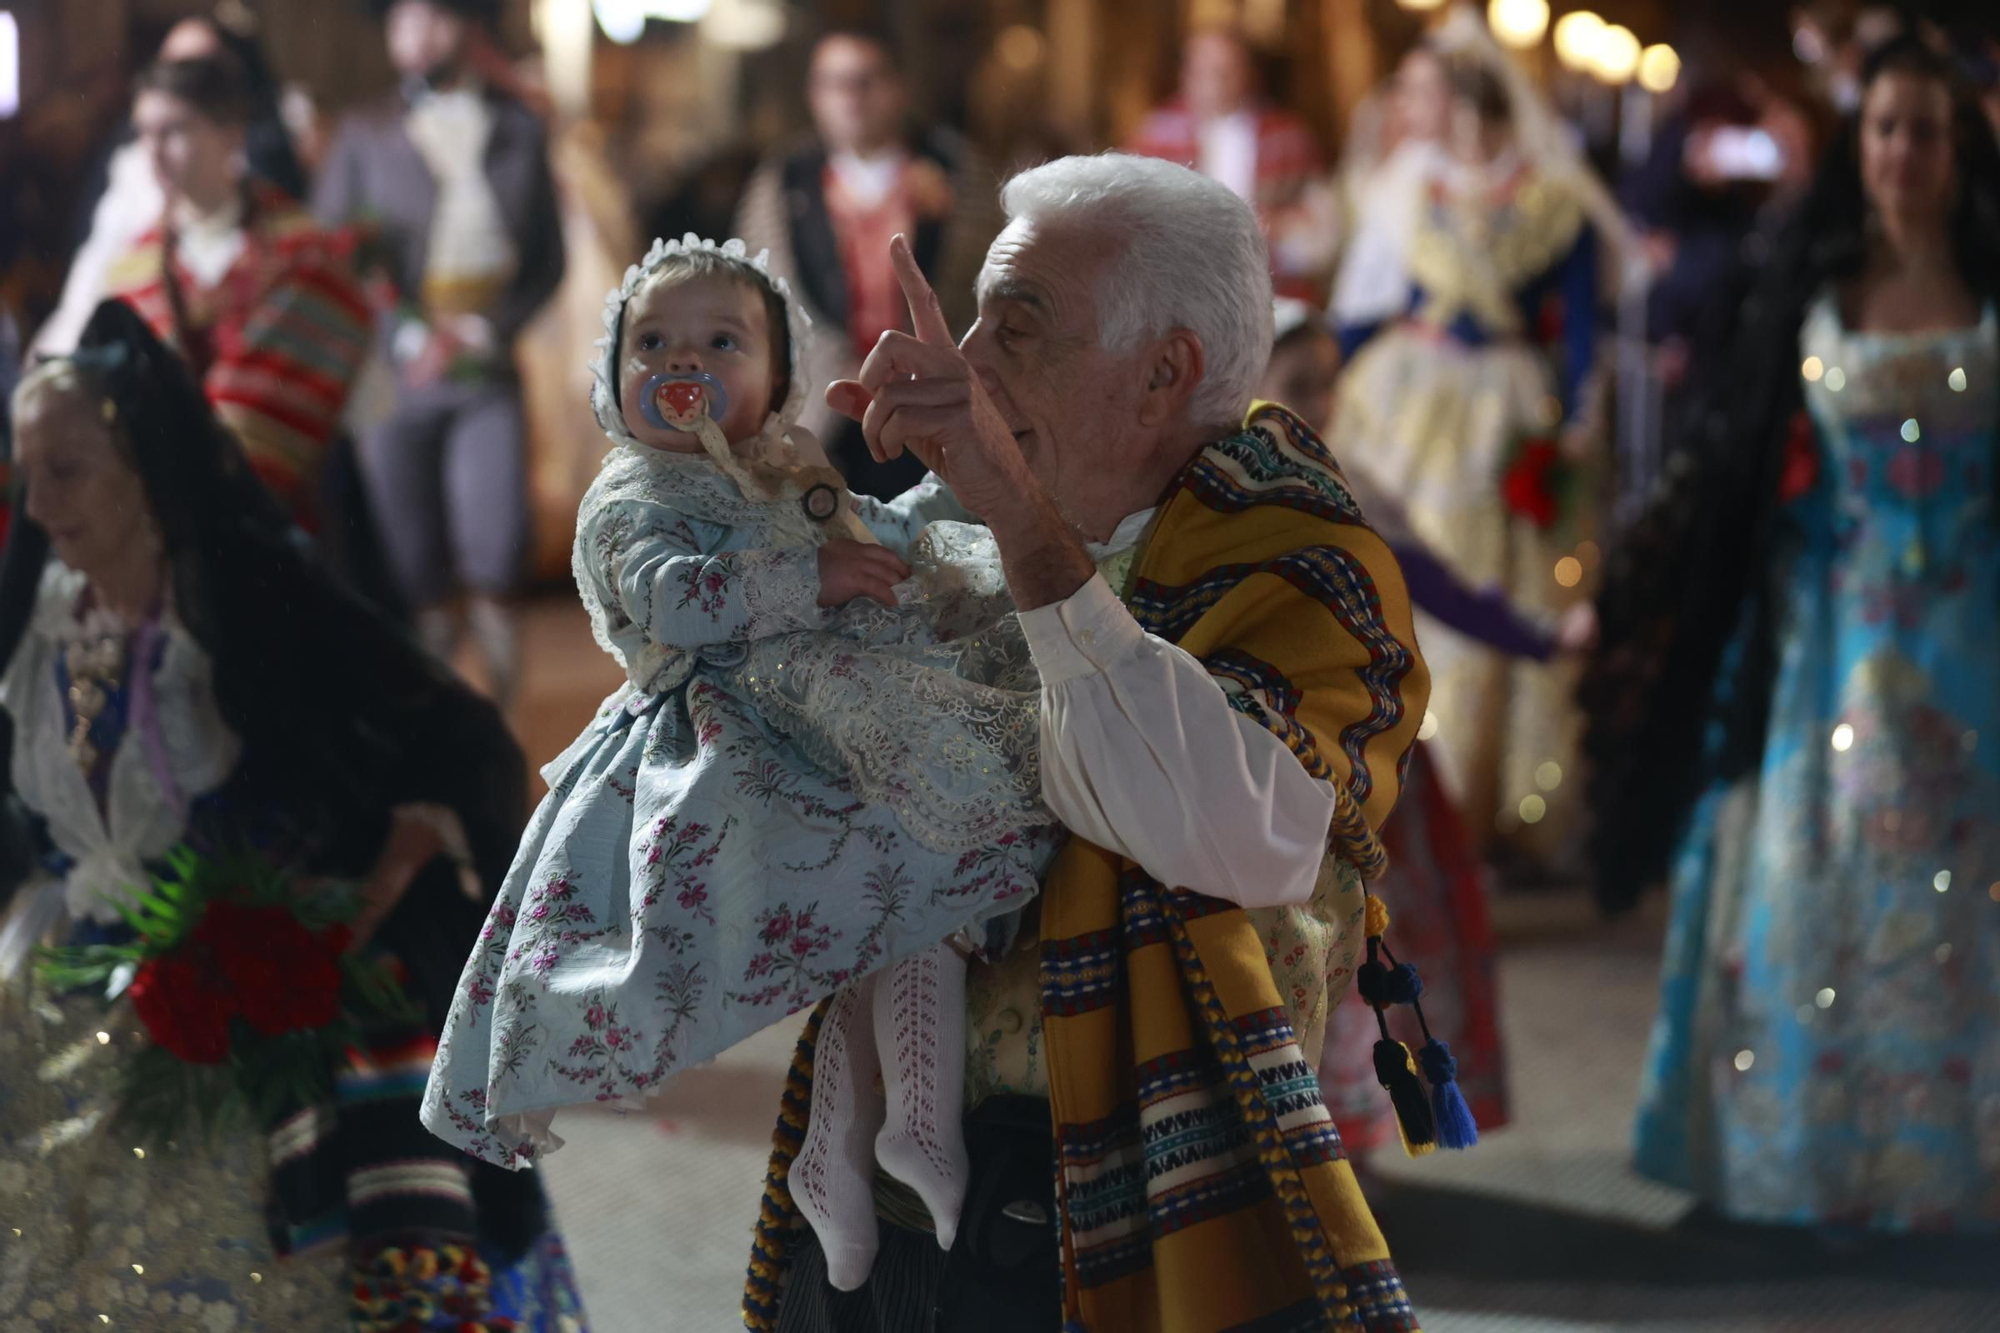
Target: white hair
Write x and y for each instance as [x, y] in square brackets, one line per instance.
[1192, 257]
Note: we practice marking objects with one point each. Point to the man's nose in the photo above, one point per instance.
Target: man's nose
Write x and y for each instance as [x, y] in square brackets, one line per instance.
[988, 380]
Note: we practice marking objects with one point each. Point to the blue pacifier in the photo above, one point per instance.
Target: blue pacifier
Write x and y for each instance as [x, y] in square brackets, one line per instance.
[679, 402]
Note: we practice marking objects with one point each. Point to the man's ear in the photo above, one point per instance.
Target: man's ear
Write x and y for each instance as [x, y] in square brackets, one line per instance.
[1174, 370]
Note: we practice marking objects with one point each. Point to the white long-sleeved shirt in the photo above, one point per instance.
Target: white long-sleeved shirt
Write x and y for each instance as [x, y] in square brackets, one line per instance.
[1143, 755]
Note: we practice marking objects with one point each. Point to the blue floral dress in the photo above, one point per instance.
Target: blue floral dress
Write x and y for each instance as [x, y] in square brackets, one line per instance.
[1828, 1046]
[780, 801]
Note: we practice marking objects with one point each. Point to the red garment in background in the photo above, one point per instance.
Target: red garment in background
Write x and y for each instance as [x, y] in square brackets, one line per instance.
[1288, 159]
[875, 301]
[277, 342]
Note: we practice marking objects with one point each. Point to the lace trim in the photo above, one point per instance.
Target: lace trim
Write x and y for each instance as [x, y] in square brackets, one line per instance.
[920, 1034]
[604, 360]
[139, 820]
[932, 708]
[832, 1180]
[779, 590]
[692, 486]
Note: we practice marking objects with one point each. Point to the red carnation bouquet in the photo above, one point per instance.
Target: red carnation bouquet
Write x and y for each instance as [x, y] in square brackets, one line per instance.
[1536, 482]
[243, 982]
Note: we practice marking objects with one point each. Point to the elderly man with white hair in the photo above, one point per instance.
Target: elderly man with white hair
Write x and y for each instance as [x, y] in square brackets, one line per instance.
[1230, 683]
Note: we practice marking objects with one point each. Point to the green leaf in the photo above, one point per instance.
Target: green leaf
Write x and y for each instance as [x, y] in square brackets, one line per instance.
[77, 966]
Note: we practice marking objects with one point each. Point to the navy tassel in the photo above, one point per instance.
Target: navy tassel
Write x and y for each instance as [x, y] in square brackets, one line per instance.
[1455, 1125]
[1396, 1071]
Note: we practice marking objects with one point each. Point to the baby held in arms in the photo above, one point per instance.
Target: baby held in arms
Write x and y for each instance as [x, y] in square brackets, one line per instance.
[818, 783]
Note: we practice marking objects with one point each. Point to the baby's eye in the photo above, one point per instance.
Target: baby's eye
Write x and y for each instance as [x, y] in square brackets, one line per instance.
[723, 342]
[649, 342]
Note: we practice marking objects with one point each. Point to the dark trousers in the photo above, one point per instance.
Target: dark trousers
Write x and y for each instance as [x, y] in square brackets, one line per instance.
[1003, 1275]
[447, 473]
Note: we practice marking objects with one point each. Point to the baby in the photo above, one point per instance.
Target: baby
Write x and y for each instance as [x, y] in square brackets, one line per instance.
[819, 775]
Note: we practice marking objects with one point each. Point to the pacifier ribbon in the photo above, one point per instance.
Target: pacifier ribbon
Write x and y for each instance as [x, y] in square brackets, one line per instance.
[680, 402]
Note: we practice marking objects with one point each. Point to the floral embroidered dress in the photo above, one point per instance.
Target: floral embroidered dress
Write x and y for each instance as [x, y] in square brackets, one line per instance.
[778, 802]
[1828, 1046]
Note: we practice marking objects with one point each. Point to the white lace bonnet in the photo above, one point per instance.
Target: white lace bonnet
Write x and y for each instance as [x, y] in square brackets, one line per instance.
[604, 365]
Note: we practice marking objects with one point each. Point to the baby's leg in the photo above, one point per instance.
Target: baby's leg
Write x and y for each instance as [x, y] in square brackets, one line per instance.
[920, 1032]
[833, 1179]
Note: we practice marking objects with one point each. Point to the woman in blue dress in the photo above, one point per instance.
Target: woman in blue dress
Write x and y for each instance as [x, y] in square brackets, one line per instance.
[1827, 1051]
[175, 671]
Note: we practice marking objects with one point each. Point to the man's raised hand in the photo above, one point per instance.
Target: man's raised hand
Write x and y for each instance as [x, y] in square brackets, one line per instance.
[917, 391]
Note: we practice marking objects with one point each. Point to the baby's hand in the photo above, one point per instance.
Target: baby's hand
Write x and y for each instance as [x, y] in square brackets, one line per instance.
[850, 569]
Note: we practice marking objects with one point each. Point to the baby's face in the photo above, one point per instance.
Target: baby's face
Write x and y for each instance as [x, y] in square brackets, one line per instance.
[711, 324]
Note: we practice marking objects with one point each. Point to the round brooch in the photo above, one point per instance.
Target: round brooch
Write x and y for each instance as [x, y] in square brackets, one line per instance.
[821, 502]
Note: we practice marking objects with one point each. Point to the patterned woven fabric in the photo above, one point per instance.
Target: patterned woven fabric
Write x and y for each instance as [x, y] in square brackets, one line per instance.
[277, 341]
[1203, 1186]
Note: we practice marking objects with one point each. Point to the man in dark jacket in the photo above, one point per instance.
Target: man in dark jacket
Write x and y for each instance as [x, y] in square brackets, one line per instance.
[451, 179]
[827, 209]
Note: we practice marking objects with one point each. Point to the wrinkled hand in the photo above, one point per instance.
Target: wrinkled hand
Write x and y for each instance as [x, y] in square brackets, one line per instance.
[849, 569]
[917, 392]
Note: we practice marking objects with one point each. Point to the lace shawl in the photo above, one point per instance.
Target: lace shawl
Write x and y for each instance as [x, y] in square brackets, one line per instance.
[141, 820]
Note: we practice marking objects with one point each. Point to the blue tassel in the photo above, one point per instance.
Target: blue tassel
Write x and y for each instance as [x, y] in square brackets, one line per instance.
[1455, 1125]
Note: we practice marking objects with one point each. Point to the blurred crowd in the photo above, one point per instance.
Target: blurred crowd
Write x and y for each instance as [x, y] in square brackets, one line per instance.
[1686, 442]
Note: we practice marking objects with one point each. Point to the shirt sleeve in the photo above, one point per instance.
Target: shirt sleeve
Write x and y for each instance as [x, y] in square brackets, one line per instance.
[1485, 615]
[681, 598]
[896, 523]
[1143, 755]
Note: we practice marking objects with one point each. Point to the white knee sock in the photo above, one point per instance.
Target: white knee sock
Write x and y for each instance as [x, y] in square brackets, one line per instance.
[920, 1031]
[833, 1177]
